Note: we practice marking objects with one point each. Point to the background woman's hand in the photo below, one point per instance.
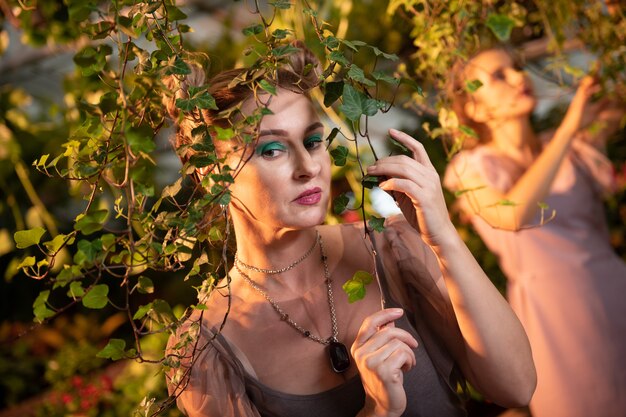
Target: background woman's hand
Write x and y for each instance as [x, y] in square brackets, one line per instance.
[416, 187]
[382, 353]
[582, 111]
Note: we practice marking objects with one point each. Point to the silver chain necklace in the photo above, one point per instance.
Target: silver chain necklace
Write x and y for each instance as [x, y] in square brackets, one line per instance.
[338, 353]
[278, 271]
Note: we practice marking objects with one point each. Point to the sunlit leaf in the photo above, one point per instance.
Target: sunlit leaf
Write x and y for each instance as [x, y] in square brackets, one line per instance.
[96, 297]
[500, 25]
[26, 238]
[114, 350]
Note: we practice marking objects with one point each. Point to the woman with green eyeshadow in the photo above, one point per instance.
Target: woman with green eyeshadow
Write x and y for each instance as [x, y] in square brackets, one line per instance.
[292, 344]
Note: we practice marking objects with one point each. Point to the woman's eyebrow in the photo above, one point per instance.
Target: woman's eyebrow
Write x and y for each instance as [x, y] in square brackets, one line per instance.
[281, 132]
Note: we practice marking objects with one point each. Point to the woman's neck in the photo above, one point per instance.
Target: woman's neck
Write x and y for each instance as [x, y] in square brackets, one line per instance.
[277, 249]
[516, 139]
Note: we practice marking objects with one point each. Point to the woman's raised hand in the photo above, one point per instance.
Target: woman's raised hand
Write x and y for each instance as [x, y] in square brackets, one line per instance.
[416, 187]
[382, 353]
[582, 111]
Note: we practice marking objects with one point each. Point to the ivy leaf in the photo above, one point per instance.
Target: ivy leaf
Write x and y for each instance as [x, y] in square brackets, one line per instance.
[281, 4]
[140, 139]
[280, 33]
[114, 350]
[284, 50]
[91, 222]
[97, 297]
[145, 285]
[472, 85]
[340, 203]
[358, 75]
[500, 25]
[26, 262]
[40, 308]
[332, 135]
[76, 290]
[355, 287]
[376, 223]
[253, 30]
[468, 131]
[142, 311]
[266, 86]
[355, 104]
[55, 244]
[369, 181]
[179, 67]
[339, 57]
[332, 91]
[161, 312]
[339, 155]
[30, 237]
[378, 52]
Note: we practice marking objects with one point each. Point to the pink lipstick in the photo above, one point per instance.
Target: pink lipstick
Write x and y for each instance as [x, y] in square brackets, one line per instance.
[309, 197]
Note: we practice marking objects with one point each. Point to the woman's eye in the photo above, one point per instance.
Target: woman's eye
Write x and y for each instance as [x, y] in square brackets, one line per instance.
[270, 150]
[313, 141]
[498, 75]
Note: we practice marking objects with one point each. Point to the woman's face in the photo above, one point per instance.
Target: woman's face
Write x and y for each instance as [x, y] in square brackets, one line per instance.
[286, 181]
[506, 91]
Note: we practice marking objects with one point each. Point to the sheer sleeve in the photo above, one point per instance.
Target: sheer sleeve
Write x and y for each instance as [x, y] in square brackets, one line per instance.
[414, 278]
[209, 382]
[480, 167]
[596, 164]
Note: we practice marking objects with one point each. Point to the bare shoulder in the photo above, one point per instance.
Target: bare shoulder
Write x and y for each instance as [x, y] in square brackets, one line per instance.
[346, 243]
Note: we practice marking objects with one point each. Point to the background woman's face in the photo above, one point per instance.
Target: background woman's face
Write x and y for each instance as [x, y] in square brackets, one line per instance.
[506, 91]
[286, 181]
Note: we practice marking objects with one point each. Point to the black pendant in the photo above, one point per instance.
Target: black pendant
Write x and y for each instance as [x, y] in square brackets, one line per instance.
[339, 357]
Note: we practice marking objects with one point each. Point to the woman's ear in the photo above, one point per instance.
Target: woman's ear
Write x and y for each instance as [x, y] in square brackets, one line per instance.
[476, 111]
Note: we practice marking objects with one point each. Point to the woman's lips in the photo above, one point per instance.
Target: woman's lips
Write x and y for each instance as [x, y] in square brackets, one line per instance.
[309, 197]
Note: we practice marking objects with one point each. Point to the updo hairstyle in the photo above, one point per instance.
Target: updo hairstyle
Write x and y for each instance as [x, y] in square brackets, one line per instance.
[299, 73]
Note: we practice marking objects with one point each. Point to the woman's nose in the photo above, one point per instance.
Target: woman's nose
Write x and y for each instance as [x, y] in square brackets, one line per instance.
[306, 166]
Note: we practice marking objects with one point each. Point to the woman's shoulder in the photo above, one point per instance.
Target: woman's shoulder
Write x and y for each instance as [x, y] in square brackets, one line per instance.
[481, 166]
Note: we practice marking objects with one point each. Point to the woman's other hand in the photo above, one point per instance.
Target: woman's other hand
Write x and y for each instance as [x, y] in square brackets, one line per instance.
[382, 353]
[582, 111]
[416, 187]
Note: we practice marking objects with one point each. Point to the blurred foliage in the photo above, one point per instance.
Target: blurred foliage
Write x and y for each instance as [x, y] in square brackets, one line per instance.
[120, 237]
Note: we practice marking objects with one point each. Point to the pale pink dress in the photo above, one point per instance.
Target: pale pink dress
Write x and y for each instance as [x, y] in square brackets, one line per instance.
[565, 283]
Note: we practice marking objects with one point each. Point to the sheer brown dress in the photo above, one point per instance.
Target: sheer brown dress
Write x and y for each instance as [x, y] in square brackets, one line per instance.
[219, 383]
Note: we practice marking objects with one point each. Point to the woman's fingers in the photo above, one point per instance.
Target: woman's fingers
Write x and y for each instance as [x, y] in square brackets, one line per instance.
[374, 322]
[418, 150]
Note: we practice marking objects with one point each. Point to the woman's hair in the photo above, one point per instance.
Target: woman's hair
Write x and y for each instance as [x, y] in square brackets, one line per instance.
[299, 73]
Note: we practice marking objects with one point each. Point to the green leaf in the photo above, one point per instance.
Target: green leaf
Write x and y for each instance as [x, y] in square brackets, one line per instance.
[280, 33]
[91, 222]
[472, 85]
[355, 287]
[76, 290]
[378, 52]
[376, 223]
[330, 42]
[162, 313]
[331, 136]
[339, 155]
[265, 85]
[284, 50]
[30, 237]
[358, 75]
[140, 139]
[500, 25]
[40, 308]
[97, 297]
[355, 104]
[26, 262]
[339, 57]
[332, 91]
[468, 131]
[142, 311]
[340, 203]
[179, 67]
[253, 30]
[369, 181]
[145, 285]
[281, 4]
[114, 350]
[55, 244]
